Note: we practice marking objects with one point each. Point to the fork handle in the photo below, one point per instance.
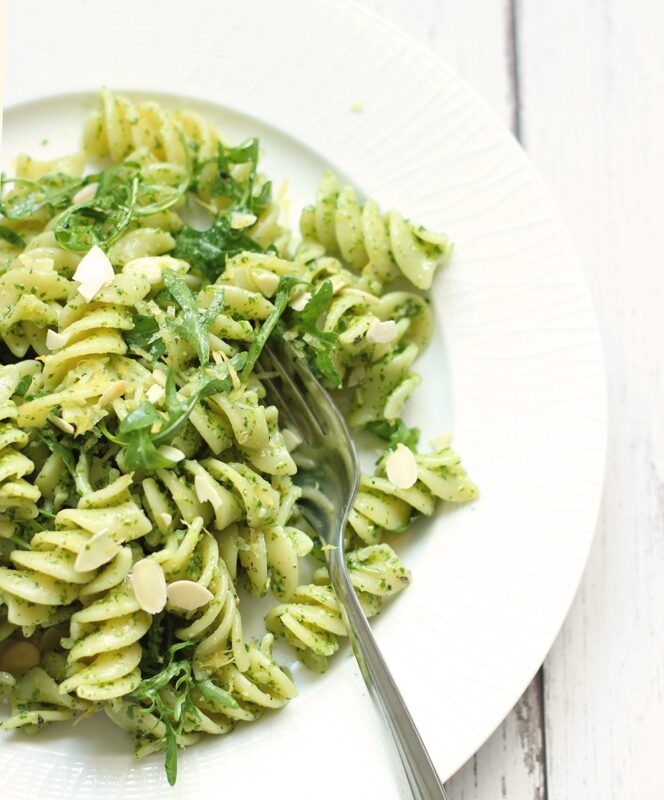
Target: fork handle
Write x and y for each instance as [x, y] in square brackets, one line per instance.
[420, 772]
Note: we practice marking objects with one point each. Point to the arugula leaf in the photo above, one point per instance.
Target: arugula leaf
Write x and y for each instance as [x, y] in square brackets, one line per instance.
[173, 672]
[325, 341]
[193, 327]
[178, 411]
[145, 335]
[171, 761]
[59, 449]
[50, 191]
[239, 193]
[23, 385]
[216, 694]
[395, 433]
[11, 236]
[143, 416]
[135, 431]
[280, 302]
[176, 675]
[103, 219]
[208, 250]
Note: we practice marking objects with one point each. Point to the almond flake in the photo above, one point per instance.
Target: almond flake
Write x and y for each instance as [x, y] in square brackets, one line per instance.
[166, 518]
[382, 332]
[155, 393]
[98, 550]
[172, 453]
[206, 492]
[327, 547]
[442, 441]
[149, 584]
[93, 273]
[114, 391]
[299, 302]
[55, 340]
[85, 194]
[240, 220]
[65, 427]
[266, 282]
[401, 467]
[159, 376]
[188, 595]
[291, 439]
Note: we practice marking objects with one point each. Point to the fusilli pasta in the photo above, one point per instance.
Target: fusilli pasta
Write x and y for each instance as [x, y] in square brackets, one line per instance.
[147, 488]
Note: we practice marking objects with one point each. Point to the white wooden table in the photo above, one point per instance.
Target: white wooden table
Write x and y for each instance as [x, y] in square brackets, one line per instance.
[581, 84]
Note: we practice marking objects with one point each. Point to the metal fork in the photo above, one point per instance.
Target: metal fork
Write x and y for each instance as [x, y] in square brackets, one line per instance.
[328, 464]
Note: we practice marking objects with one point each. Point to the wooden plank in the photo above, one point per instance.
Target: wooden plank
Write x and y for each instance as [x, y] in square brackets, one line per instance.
[511, 763]
[475, 39]
[591, 90]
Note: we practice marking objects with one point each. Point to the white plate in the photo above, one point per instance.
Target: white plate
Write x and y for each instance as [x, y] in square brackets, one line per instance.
[518, 373]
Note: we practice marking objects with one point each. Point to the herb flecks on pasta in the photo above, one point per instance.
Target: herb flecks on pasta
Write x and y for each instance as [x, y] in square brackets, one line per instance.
[134, 425]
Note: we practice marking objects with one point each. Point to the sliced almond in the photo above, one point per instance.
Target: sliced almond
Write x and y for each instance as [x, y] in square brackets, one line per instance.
[65, 427]
[442, 441]
[19, 657]
[155, 393]
[114, 391]
[240, 220]
[266, 282]
[85, 194]
[382, 332]
[98, 550]
[172, 453]
[149, 584]
[401, 467]
[188, 595]
[298, 303]
[93, 273]
[166, 518]
[55, 340]
[291, 439]
[206, 492]
[159, 376]
[356, 376]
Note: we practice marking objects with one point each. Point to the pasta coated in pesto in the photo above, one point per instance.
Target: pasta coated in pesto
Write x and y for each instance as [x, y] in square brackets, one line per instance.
[134, 425]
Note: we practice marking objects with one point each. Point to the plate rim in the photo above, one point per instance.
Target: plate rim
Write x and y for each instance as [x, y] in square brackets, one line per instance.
[554, 217]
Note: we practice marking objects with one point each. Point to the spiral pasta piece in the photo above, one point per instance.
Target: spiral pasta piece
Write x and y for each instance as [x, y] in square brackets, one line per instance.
[218, 629]
[105, 653]
[44, 579]
[119, 127]
[233, 695]
[380, 246]
[32, 294]
[269, 556]
[76, 375]
[381, 507]
[18, 497]
[36, 701]
[311, 621]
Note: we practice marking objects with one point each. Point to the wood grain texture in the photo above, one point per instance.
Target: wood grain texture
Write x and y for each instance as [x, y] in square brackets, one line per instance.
[476, 38]
[592, 77]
